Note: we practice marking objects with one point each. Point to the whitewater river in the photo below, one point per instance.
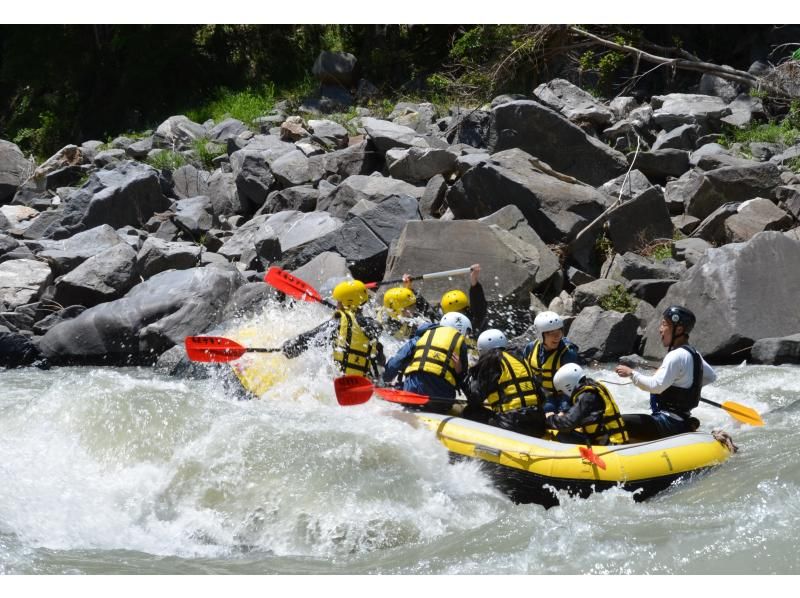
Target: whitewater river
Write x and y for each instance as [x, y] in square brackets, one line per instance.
[124, 470]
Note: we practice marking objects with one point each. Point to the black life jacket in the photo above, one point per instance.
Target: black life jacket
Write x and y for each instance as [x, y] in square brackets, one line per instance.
[681, 401]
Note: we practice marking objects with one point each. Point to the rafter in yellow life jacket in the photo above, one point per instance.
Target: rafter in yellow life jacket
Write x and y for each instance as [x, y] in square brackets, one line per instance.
[547, 370]
[611, 423]
[516, 388]
[354, 351]
[433, 353]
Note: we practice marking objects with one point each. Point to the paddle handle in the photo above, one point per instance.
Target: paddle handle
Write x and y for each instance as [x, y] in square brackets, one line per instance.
[263, 349]
[443, 274]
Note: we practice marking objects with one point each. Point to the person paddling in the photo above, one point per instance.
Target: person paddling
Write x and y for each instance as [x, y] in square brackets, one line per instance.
[399, 315]
[434, 362]
[676, 385]
[505, 381]
[354, 336]
[547, 354]
[593, 416]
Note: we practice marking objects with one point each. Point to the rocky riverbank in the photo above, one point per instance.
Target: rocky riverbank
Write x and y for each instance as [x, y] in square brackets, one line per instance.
[567, 202]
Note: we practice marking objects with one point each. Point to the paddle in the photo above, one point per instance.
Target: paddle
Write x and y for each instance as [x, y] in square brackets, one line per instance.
[217, 349]
[739, 412]
[443, 274]
[588, 454]
[289, 284]
[355, 390]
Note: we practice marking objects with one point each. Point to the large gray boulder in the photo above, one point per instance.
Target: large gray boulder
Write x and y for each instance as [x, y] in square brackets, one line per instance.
[15, 169]
[195, 215]
[224, 195]
[22, 281]
[230, 128]
[359, 158]
[574, 103]
[335, 68]
[604, 335]
[127, 194]
[626, 186]
[658, 165]
[178, 133]
[302, 198]
[103, 277]
[638, 222]
[294, 168]
[388, 135]
[157, 255]
[680, 138]
[418, 165]
[777, 351]
[69, 253]
[754, 216]
[547, 135]
[555, 205]
[388, 218]
[188, 181]
[733, 292]
[154, 316]
[676, 109]
[711, 189]
[745, 109]
[508, 265]
[632, 266]
[372, 188]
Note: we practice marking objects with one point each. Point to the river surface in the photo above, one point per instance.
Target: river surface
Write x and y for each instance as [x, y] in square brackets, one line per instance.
[125, 470]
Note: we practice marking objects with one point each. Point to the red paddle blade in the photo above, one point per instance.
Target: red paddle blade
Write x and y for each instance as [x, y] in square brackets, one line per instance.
[588, 454]
[352, 390]
[213, 349]
[402, 396]
[291, 285]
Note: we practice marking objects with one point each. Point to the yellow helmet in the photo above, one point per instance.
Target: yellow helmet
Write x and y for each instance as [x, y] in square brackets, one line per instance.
[454, 301]
[397, 299]
[351, 293]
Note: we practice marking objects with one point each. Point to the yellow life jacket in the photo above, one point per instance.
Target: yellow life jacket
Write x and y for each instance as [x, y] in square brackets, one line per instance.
[433, 353]
[515, 386]
[611, 424]
[353, 350]
[545, 371]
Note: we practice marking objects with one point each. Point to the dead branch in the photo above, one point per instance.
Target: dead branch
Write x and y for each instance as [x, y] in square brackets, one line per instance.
[724, 72]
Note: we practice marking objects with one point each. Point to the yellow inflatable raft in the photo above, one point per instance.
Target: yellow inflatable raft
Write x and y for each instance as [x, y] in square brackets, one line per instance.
[526, 468]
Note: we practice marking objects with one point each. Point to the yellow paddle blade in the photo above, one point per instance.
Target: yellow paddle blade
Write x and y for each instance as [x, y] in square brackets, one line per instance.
[743, 414]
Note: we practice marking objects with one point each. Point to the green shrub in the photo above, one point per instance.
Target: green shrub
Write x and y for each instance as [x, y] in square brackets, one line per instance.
[167, 160]
[245, 105]
[618, 299]
[206, 151]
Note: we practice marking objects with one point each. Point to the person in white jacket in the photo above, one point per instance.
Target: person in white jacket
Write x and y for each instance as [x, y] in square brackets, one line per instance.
[675, 386]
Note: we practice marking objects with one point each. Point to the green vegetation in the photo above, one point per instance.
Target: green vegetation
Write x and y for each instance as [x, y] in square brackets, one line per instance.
[618, 299]
[245, 105]
[167, 160]
[206, 151]
[786, 131]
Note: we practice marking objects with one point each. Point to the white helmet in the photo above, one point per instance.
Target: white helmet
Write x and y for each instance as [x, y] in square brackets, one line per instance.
[568, 378]
[546, 321]
[458, 321]
[491, 339]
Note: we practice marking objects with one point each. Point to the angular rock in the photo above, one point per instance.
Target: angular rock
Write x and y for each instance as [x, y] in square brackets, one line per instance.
[229, 128]
[631, 266]
[301, 198]
[716, 187]
[434, 245]
[776, 351]
[194, 215]
[104, 158]
[470, 127]
[690, 250]
[754, 216]
[555, 205]
[604, 335]
[431, 204]
[745, 109]
[154, 316]
[676, 109]
[387, 135]
[685, 223]
[296, 228]
[332, 134]
[320, 271]
[188, 181]
[652, 290]
[17, 350]
[712, 85]
[14, 170]
[67, 254]
[372, 188]
[574, 103]
[223, 193]
[335, 68]
[626, 186]
[418, 165]
[637, 223]
[727, 287]
[292, 169]
[157, 256]
[22, 281]
[177, 133]
[388, 218]
[657, 165]
[712, 228]
[128, 194]
[545, 134]
[103, 277]
[590, 293]
[680, 138]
